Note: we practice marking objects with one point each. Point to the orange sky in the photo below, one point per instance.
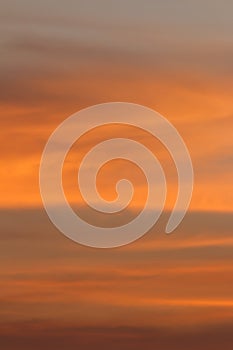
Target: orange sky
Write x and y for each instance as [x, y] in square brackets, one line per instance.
[163, 292]
[189, 82]
[203, 121]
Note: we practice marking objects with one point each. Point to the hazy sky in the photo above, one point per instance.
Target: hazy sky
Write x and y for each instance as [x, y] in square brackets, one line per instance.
[57, 57]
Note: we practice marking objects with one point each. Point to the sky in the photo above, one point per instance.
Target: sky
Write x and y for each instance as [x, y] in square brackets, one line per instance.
[58, 57]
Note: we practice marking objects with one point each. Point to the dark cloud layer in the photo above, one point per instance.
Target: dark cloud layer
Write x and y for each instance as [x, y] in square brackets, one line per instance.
[54, 336]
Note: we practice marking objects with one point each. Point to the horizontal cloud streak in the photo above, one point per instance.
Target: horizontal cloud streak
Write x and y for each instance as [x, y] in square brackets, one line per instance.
[163, 291]
[172, 281]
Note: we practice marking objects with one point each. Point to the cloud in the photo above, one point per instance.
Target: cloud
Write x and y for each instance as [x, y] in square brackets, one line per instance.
[178, 280]
[56, 336]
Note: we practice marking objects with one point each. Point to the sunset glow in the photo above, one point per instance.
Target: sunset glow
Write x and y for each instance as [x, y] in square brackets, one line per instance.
[163, 291]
